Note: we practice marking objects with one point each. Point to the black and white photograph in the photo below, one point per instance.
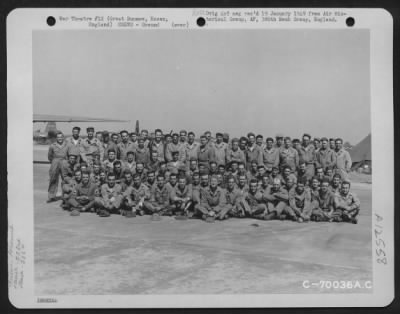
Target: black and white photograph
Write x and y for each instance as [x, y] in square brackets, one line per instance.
[176, 161]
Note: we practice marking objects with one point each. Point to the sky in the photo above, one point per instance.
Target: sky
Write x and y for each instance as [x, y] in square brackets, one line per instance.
[236, 81]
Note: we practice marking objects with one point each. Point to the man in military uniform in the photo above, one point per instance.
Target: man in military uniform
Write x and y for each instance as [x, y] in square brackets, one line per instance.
[68, 188]
[82, 198]
[279, 141]
[160, 197]
[108, 164]
[110, 198]
[288, 175]
[220, 149]
[151, 179]
[212, 202]
[181, 197]
[270, 155]
[299, 208]
[276, 198]
[233, 197]
[142, 153]
[234, 153]
[343, 159]
[323, 204]
[302, 174]
[191, 147]
[137, 197]
[127, 181]
[57, 153]
[260, 142]
[336, 184]
[130, 163]
[253, 152]
[253, 203]
[75, 144]
[307, 154]
[125, 146]
[205, 153]
[325, 156]
[141, 171]
[175, 146]
[91, 146]
[288, 156]
[347, 204]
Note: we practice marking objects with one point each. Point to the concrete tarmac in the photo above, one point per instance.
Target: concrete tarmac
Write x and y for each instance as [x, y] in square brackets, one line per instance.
[90, 255]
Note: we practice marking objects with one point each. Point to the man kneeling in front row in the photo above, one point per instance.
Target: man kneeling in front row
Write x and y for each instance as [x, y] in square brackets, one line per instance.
[111, 197]
[82, 198]
[347, 205]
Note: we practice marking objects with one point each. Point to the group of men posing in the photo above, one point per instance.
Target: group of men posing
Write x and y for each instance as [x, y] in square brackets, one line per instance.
[133, 174]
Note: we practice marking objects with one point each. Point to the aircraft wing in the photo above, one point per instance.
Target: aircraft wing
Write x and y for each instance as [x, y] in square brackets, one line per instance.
[60, 118]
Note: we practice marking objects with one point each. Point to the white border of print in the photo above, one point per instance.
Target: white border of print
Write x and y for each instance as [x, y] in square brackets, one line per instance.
[20, 24]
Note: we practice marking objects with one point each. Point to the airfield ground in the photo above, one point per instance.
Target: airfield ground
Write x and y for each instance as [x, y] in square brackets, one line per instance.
[116, 255]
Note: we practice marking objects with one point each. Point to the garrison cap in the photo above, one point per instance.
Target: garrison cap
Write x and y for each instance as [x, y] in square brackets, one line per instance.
[76, 128]
[279, 135]
[90, 128]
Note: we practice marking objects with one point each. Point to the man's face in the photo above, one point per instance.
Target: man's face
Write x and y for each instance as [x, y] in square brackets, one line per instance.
[136, 181]
[60, 138]
[83, 167]
[235, 146]
[201, 168]
[221, 169]
[270, 144]
[286, 172]
[90, 134]
[345, 189]
[324, 144]
[191, 138]
[332, 144]
[275, 172]
[117, 168]
[302, 168]
[173, 179]
[336, 182]
[182, 136]
[213, 167]
[111, 181]
[106, 138]
[276, 185]
[279, 141]
[102, 176]
[85, 178]
[154, 156]
[242, 180]
[208, 135]
[75, 133]
[213, 183]
[175, 157]
[139, 168]
[241, 168]
[133, 137]
[287, 143]
[317, 144]
[158, 136]
[324, 186]
[193, 164]
[196, 179]
[338, 145]
[203, 141]
[219, 138]
[289, 183]
[99, 136]
[168, 139]
[261, 171]
[231, 184]
[252, 140]
[141, 143]
[253, 187]
[243, 144]
[96, 169]
[234, 167]
[254, 167]
[128, 177]
[265, 181]
[114, 138]
[72, 160]
[144, 134]
[163, 166]
[259, 141]
[160, 182]
[125, 137]
[220, 178]
[204, 180]
[306, 141]
[151, 177]
[175, 139]
[130, 157]
[300, 188]
[182, 183]
[329, 172]
[320, 173]
[111, 155]
[315, 184]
